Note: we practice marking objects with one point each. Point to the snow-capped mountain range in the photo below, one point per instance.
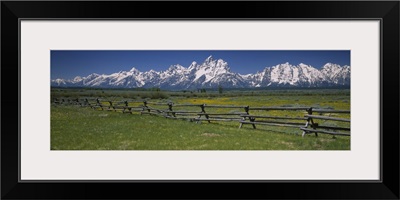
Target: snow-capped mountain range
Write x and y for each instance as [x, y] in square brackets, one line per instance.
[214, 72]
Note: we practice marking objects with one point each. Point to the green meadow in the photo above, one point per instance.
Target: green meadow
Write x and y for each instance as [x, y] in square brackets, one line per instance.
[82, 128]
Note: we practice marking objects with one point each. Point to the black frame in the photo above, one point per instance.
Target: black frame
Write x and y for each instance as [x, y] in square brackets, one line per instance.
[386, 11]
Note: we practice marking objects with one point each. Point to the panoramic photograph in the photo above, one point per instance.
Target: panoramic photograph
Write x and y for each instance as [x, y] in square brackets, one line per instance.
[200, 99]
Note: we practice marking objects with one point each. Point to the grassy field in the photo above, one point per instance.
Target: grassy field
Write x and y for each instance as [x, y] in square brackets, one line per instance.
[82, 128]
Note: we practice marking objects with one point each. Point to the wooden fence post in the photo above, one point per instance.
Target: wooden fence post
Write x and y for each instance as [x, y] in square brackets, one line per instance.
[145, 106]
[77, 101]
[99, 104]
[252, 119]
[204, 111]
[309, 119]
[125, 107]
[170, 108]
[87, 102]
[111, 105]
[246, 109]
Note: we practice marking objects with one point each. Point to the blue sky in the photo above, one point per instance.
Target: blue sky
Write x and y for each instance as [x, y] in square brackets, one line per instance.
[69, 63]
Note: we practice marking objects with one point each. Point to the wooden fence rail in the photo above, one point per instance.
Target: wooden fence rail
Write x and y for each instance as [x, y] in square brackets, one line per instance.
[279, 108]
[327, 118]
[199, 114]
[316, 128]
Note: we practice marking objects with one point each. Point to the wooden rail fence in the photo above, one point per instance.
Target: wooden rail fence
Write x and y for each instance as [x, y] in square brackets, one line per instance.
[197, 113]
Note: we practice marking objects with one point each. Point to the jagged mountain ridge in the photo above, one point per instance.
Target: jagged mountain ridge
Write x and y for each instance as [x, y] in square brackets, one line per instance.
[212, 73]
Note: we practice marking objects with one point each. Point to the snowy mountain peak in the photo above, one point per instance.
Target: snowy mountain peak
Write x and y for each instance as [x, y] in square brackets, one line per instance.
[77, 79]
[302, 64]
[58, 82]
[176, 67]
[209, 59]
[193, 66]
[283, 65]
[211, 63]
[330, 65]
[94, 75]
[134, 70]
